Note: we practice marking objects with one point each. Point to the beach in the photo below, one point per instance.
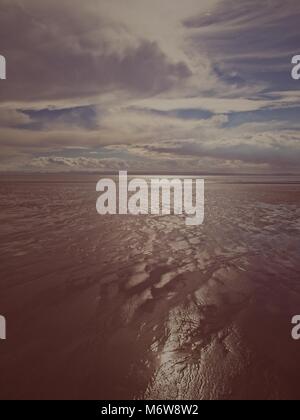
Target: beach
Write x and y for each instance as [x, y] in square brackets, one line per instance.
[145, 307]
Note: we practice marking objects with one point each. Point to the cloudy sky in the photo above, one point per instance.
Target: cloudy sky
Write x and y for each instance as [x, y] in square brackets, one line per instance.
[193, 85]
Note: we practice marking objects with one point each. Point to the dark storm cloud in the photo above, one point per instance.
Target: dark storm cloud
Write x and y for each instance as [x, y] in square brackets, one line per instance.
[59, 49]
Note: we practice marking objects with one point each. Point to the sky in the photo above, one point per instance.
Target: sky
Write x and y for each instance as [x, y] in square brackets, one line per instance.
[172, 85]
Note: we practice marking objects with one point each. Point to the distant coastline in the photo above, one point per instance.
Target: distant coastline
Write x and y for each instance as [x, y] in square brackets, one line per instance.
[93, 177]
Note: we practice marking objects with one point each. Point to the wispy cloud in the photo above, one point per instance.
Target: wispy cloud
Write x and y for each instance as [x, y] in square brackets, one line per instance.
[149, 84]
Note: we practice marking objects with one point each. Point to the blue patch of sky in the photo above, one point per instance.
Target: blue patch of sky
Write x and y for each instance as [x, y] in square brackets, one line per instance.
[96, 153]
[288, 116]
[84, 117]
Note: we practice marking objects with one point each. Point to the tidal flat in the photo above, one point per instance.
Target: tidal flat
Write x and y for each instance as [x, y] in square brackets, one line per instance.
[145, 307]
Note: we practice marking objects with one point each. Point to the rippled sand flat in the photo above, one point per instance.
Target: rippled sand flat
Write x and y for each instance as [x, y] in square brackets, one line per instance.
[125, 307]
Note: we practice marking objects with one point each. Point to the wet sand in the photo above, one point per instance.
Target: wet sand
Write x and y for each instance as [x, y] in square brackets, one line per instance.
[123, 307]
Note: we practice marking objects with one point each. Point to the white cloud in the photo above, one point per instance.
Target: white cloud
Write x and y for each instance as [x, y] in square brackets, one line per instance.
[138, 64]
